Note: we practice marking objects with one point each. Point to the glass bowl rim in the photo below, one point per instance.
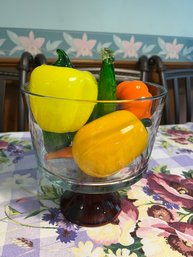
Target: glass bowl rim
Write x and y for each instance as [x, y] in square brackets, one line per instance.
[25, 90]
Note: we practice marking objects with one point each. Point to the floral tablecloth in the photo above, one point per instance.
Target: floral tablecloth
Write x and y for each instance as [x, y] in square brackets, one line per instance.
[156, 219]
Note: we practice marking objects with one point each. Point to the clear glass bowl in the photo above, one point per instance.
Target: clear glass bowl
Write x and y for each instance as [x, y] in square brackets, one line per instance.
[101, 146]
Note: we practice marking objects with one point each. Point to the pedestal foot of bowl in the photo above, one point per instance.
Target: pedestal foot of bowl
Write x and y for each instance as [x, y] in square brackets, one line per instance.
[90, 209]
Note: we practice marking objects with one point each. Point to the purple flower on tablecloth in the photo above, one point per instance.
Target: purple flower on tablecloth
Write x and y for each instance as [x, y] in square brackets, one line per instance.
[147, 190]
[13, 149]
[180, 136]
[65, 235]
[173, 189]
[63, 223]
[147, 173]
[168, 239]
[156, 197]
[53, 217]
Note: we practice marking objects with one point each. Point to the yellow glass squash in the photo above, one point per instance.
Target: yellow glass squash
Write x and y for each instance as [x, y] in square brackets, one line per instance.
[109, 143]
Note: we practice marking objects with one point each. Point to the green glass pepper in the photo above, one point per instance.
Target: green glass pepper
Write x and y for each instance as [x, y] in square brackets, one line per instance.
[106, 84]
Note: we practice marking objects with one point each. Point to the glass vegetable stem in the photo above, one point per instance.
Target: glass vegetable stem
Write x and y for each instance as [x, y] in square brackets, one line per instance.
[63, 59]
[107, 82]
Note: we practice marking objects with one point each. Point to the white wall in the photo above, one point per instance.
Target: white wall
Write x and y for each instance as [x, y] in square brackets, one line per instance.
[151, 17]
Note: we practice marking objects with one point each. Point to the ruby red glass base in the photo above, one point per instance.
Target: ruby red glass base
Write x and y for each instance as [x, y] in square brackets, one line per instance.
[90, 209]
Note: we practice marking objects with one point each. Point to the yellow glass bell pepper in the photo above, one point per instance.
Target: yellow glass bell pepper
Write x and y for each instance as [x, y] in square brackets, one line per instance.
[62, 115]
[104, 146]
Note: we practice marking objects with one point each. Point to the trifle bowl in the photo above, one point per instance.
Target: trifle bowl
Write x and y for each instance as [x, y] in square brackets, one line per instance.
[93, 148]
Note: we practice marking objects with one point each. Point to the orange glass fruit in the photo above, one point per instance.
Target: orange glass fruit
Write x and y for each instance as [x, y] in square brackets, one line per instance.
[135, 89]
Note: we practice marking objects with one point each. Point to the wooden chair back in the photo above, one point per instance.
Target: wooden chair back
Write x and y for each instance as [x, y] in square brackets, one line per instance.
[14, 78]
[27, 63]
[179, 83]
